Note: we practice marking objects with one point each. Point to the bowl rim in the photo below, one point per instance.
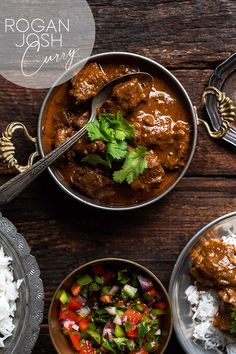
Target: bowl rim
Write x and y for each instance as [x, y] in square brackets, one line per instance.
[109, 260]
[191, 108]
[183, 254]
[32, 282]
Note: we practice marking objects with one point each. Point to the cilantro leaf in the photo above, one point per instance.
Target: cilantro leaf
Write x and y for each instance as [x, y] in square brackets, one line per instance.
[109, 127]
[122, 129]
[105, 128]
[135, 164]
[120, 342]
[107, 345]
[94, 131]
[233, 323]
[123, 276]
[95, 159]
[117, 149]
[143, 329]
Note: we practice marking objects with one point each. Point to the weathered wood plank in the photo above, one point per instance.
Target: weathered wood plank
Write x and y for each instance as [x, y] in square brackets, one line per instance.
[175, 33]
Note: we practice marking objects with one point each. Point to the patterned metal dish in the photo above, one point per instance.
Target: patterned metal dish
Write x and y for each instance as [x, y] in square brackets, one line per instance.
[29, 312]
[224, 80]
[181, 279]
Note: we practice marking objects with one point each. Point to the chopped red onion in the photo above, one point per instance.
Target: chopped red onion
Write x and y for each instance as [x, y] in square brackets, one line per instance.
[75, 327]
[145, 283]
[82, 299]
[111, 310]
[117, 320]
[108, 330]
[114, 290]
[123, 318]
[84, 311]
[151, 302]
[68, 323]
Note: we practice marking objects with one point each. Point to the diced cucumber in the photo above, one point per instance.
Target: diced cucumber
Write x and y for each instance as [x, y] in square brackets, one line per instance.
[130, 290]
[157, 312]
[148, 346]
[95, 335]
[106, 290]
[92, 326]
[63, 297]
[119, 332]
[99, 280]
[84, 279]
[119, 312]
[139, 307]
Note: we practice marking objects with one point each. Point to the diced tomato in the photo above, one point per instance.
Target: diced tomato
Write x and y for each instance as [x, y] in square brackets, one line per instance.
[133, 317]
[98, 270]
[69, 315]
[106, 298]
[132, 334]
[75, 339]
[74, 304]
[152, 292]
[75, 289]
[83, 325]
[159, 305]
[140, 351]
[86, 348]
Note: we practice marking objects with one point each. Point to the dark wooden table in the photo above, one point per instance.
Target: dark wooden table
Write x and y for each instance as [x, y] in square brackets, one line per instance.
[190, 38]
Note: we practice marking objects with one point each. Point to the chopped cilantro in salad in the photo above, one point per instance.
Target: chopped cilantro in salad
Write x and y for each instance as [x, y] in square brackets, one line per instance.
[112, 311]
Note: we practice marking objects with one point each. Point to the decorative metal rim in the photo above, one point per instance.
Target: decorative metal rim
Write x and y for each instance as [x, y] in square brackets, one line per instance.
[7, 147]
[217, 79]
[34, 285]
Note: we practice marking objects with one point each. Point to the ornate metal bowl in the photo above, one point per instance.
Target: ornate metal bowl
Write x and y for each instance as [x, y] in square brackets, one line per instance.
[181, 279]
[61, 343]
[29, 312]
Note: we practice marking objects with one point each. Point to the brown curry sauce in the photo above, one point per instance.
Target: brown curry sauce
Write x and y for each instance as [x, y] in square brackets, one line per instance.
[161, 122]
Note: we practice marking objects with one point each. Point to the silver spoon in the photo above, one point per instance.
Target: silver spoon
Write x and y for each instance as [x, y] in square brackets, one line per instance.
[13, 187]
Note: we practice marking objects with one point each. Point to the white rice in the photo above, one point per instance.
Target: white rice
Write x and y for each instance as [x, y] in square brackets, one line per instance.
[204, 306]
[8, 296]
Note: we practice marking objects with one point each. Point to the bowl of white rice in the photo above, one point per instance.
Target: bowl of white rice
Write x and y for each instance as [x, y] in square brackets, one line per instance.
[195, 308]
[21, 293]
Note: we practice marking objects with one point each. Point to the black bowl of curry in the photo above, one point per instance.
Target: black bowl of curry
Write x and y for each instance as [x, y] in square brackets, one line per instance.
[141, 143]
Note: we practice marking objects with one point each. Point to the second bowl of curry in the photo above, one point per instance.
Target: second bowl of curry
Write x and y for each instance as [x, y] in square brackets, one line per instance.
[141, 143]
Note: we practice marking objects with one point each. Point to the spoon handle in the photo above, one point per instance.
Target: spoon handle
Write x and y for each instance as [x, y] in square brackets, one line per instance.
[12, 188]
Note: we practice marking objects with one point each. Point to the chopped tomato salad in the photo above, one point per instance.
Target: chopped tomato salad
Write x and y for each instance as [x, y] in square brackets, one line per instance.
[112, 311]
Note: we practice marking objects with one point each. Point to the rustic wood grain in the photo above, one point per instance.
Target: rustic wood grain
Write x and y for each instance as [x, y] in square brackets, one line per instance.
[190, 38]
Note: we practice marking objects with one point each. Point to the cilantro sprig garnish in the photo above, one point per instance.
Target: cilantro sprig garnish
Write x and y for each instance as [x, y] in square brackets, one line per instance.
[135, 164]
[233, 323]
[109, 127]
[116, 132]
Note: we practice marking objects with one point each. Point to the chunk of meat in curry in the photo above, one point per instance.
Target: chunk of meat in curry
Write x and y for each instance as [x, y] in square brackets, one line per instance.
[215, 267]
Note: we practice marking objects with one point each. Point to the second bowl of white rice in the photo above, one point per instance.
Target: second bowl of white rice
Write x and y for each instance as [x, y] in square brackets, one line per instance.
[193, 309]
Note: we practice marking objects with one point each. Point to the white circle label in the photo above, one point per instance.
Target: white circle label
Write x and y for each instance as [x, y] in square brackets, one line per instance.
[41, 40]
